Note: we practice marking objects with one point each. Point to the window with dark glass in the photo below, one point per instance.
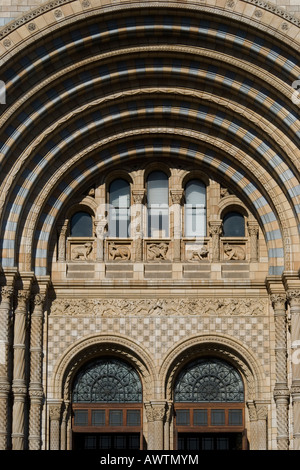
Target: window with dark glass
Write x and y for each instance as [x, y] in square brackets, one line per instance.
[119, 209]
[195, 209]
[107, 380]
[233, 225]
[158, 204]
[183, 417]
[200, 417]
[209, 380]
[81, 225]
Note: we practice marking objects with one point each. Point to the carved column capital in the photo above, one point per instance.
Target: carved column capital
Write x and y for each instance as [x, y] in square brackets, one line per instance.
[7, 292]
[293, 297]
[55, 411]
[138, 196]
[155, 411]
[176, 196]
[215, 227]
[278, 301]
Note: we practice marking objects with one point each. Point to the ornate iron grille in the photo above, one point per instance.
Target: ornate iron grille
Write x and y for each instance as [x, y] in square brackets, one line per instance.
[209, 380]
[107, 381]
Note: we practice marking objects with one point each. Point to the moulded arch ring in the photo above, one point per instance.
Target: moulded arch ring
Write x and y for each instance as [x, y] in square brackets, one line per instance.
[222, 346]
[92, 347]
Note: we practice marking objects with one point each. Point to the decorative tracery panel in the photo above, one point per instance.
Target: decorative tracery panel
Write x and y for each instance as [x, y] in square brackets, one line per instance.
[209, 380]
[107, 380]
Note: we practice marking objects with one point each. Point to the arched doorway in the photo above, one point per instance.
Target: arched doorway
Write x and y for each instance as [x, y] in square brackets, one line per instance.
[107, 406]
[209, 406]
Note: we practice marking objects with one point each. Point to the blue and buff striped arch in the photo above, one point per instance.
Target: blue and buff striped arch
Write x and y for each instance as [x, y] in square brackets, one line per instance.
[90, 85]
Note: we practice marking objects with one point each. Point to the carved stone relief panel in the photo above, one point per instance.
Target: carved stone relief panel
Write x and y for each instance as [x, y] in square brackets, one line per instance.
[80, 249]
[157, 250]
[159, 307]
[118, 250]
[196, 251]
[234, 251]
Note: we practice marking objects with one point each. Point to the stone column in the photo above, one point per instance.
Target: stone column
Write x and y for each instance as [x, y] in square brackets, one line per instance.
[253, 234]
[155, 412]
[100, 226]
[55, 417]
[294, 301]
[5, 310]
[281, 391]
[61, 255]
[168, 419]
[215, 230]
[253, 425]
[176, 196]
[36, 392]
[137, 223]
[19, 384]
[64, 426]
[262, 415]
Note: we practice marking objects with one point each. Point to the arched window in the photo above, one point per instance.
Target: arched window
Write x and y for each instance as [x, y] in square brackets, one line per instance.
[107, 406]
[158, 204]
[81, 225]
[119, 210]
[107, 380]
[195, 209]
[209, 380]
[233, 225]
[209, 406]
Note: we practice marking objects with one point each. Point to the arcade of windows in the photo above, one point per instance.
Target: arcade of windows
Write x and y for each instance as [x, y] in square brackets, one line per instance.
[154, 225]
[208, 406]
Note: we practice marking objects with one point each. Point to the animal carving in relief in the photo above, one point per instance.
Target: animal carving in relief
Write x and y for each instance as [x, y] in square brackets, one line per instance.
[157, 251]
[79, 252]
[234, 252]
[119, 251]
[199, 254]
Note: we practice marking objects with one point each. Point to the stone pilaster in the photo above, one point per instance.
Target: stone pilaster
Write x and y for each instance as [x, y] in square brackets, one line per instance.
[253, 425]
[215, 230]
[156, 412]
[262, 415]
[176, 196]
[55, 409]
[137, 223]
[253, 234]
[100, 227]
[19, 384]
[62, 235]
[281, 390]
[36, 392]
[168, 421]
[5, 309]
[64, 426]
[294, 301]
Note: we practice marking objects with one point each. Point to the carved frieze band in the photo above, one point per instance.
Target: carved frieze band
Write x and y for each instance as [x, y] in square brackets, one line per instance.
[157, 307]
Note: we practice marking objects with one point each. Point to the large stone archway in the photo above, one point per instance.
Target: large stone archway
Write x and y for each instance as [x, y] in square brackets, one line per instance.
[232, 351]
[89, 348]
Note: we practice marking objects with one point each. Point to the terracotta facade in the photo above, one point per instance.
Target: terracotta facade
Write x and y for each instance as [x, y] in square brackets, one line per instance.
[96, 92]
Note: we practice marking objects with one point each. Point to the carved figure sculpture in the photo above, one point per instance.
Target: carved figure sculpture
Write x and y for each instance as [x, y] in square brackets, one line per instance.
[119, 251]
[234, 252]
[79, 252]
[157, 251]
[199, 254]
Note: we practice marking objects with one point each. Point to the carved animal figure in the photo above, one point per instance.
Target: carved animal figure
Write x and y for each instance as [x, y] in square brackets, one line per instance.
[199, 254]
[234, 252]
[79, 252]
[157, 251]
[119, 251]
